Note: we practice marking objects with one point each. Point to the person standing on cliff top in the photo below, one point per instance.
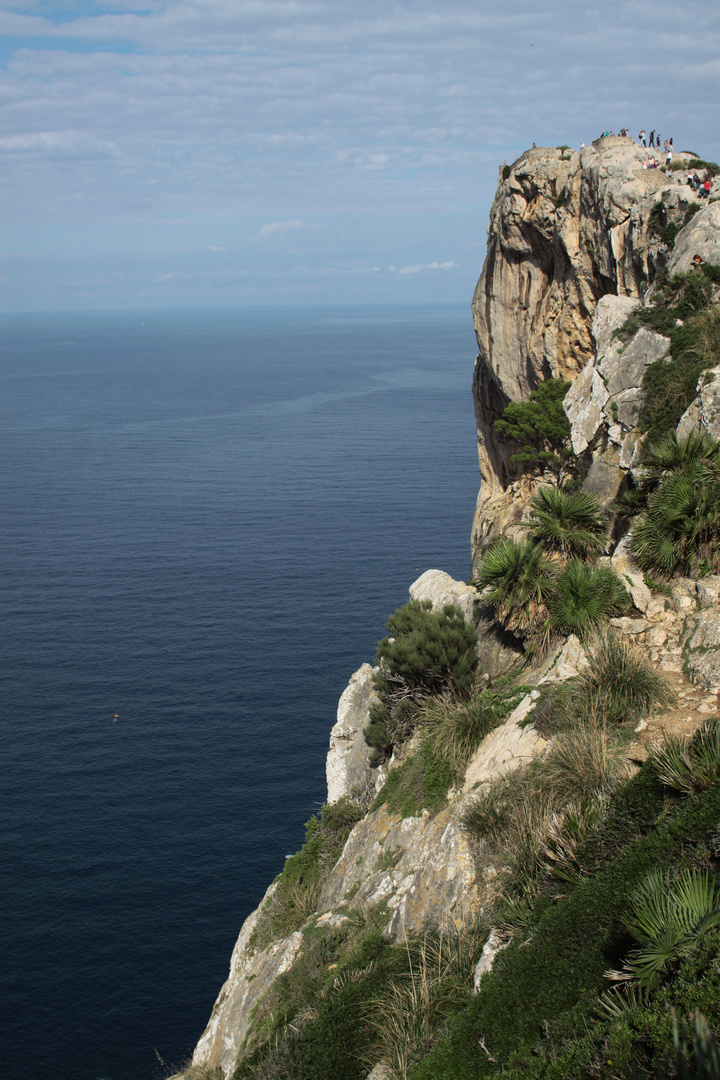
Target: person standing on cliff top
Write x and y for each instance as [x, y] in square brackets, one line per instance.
[652, 138]
[641, 137]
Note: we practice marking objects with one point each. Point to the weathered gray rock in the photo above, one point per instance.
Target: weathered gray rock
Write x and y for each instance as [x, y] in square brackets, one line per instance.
[567, 662]
[701, 236]
[622, 370]
[708, 590]
[584, 404]
[704, 669]
[690, 420]
[440, 589]
[703, 631]
[421, 867]
[684, 595]
[347, 761]
[497, 649]
[494, 944]
[631, 577]
[508, 747]
[709, 391]
[380, 1072]
[631, 627]
[605, 477]
[611, 313]
[251, 975]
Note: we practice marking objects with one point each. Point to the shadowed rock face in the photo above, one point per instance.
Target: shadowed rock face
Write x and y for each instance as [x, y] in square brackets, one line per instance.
[565, 229]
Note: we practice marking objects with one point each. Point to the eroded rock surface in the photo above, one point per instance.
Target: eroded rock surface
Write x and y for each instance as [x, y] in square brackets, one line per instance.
[347, 767]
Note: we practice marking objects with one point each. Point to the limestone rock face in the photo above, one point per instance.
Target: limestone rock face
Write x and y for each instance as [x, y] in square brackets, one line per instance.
[702, 642]
[251, 975]
[565, 230]
[347, 761]
[494, 944]
[700, 237]
[421, 867]
[509, 747]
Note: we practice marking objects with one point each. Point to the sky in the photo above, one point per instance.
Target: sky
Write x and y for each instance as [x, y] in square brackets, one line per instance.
[162, 153]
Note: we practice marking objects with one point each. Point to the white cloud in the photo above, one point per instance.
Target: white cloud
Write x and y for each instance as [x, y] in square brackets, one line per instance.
[279, 228]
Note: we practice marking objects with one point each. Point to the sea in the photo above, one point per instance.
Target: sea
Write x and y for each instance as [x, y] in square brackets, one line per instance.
[206, 518]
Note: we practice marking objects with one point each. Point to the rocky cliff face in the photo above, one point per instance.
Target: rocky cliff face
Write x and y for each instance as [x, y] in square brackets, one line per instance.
[572, 250]
[566, 229]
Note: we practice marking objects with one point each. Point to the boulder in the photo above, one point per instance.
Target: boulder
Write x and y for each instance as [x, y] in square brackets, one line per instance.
[631, 627]
[440, 589]
[684, 595]
[701, 236]
[347, 765]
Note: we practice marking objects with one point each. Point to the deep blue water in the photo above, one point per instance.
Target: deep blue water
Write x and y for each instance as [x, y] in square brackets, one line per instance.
[206, 519]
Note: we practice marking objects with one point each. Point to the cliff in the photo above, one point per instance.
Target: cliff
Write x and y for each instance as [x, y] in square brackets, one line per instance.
[566, 229]
[578, 244]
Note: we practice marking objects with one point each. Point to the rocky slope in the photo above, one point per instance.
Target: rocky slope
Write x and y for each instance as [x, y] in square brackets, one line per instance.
[568, 229]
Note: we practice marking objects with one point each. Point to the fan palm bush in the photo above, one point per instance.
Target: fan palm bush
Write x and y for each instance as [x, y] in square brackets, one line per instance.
[520, 579]
[690, 765]
[583, 597]
[667, 919]
[681, 525]
[567, 523]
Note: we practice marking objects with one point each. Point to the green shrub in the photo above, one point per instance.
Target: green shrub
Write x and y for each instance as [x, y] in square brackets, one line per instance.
[506, 172]
[536, 1013]
[567, 523]
[541, 429]
[684, 312]
[680, 527]
[428, 652]
[300, 883]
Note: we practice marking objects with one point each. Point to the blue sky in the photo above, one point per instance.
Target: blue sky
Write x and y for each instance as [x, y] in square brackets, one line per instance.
[224, 152]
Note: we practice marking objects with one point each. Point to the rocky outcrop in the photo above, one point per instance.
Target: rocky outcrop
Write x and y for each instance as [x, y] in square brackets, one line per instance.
[440, 589]
[565, 229]
[347, 767]
[573, 243]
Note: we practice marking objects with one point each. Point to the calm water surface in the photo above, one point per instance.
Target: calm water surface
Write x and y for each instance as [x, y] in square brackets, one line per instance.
[206, 518]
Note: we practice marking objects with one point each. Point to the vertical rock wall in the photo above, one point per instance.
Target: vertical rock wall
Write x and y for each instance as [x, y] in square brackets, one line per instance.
[565, 229]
